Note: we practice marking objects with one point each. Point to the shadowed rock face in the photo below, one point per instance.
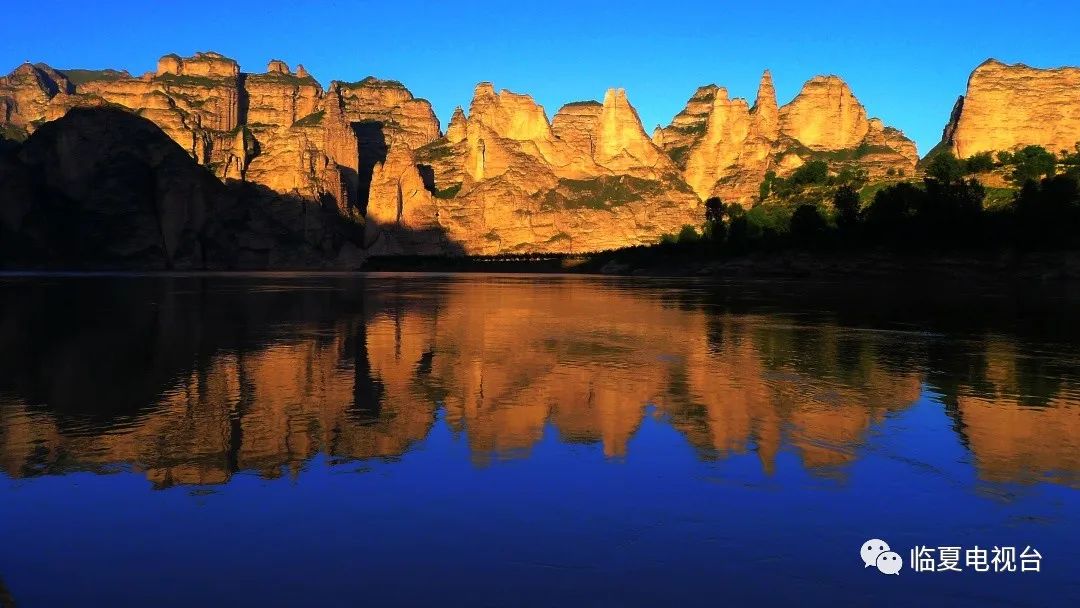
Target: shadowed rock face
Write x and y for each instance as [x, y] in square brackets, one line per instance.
[278, 130]
[1011, 106]
[725, 147]
[104, 188]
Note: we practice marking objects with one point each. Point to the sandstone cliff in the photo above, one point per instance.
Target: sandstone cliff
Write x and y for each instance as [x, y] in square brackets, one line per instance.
[503, 178]
[1011, 106]
[269, 129]
[724, 147]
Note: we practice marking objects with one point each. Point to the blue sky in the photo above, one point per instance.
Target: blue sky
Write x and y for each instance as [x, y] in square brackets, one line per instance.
[906, 62]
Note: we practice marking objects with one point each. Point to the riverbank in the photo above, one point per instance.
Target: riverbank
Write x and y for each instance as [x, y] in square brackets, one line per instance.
[1057, 266]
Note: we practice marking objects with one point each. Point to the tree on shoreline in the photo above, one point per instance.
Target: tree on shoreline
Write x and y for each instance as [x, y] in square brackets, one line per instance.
[945, 211]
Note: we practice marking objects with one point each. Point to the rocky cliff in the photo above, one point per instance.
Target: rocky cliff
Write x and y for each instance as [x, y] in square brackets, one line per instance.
[725, 147]
[503, 178]
[273, 129]
[104, 188]
[1011, 106]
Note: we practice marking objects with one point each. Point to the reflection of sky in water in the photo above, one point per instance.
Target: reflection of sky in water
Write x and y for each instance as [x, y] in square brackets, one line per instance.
[747, 460]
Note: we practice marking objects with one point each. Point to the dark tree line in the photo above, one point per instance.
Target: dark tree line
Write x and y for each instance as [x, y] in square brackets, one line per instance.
[946, 211]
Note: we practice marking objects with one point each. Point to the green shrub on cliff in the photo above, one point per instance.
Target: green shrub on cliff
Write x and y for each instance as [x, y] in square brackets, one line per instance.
[78, 77]
[599, 193]
[1031, 164]
[12, 133]
[436, 150]
[945, 167]
[311, 120]
[185, 80]
[979, 163]
[448, 192]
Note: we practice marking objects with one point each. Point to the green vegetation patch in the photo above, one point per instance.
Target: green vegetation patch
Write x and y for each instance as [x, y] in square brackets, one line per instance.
[678, 155]
[861, 151]
[13, 133]
[998, 198]
[195, 102]
[184, 80]
[373, 82]
[941, 147]
[78, 77]
[448, 192]
[697, 128]
[585, 103]
[436, 150]
[289, 79]
[775, 217]
[311, 120]
[600, 193]
[867, 192]
[836, 156]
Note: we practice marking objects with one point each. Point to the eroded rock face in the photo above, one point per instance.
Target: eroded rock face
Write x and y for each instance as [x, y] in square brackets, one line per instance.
[507, 180]
[402, 117]
[226, 120]
[502, 179]
[207, 65]
[1011, 106]
[621, 143]
[25, 95]
[724, 147]
[278, 98]
[727, 127]
[455, 132]
[825, 116]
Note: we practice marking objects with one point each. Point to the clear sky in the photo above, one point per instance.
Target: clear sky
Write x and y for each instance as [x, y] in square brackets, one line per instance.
[906, 61]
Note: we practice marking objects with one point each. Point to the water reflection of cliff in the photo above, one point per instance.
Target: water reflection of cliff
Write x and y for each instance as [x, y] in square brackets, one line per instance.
[193, 379]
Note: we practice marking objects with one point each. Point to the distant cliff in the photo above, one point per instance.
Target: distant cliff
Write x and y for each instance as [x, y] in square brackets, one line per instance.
[1009, 106]
[503, 178]
[725, 147]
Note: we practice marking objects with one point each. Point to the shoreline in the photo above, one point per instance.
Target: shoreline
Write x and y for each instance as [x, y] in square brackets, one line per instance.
[1043, 266]
[978, 267]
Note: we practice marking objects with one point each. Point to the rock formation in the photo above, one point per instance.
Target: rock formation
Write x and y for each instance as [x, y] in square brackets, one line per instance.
[455, 132]
[724, 147]
[25, 94]
[104, 188]
[825, 116]
[1011, 106]
[504, 178]
[271, 129]
[390, 106]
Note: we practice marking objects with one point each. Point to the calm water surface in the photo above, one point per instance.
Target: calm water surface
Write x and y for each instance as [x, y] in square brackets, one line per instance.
[296, 440]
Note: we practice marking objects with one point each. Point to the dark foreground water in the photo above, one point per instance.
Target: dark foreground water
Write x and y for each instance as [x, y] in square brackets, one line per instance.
[292, 440]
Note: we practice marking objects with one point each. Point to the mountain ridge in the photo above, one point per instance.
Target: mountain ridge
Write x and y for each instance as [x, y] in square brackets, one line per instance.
[502, 178]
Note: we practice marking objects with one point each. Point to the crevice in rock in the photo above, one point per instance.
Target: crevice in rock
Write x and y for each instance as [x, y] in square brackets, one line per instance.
[371, 137]
[242, 99]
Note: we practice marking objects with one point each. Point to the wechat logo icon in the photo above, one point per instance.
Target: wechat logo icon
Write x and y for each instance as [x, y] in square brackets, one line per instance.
[876, 552]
